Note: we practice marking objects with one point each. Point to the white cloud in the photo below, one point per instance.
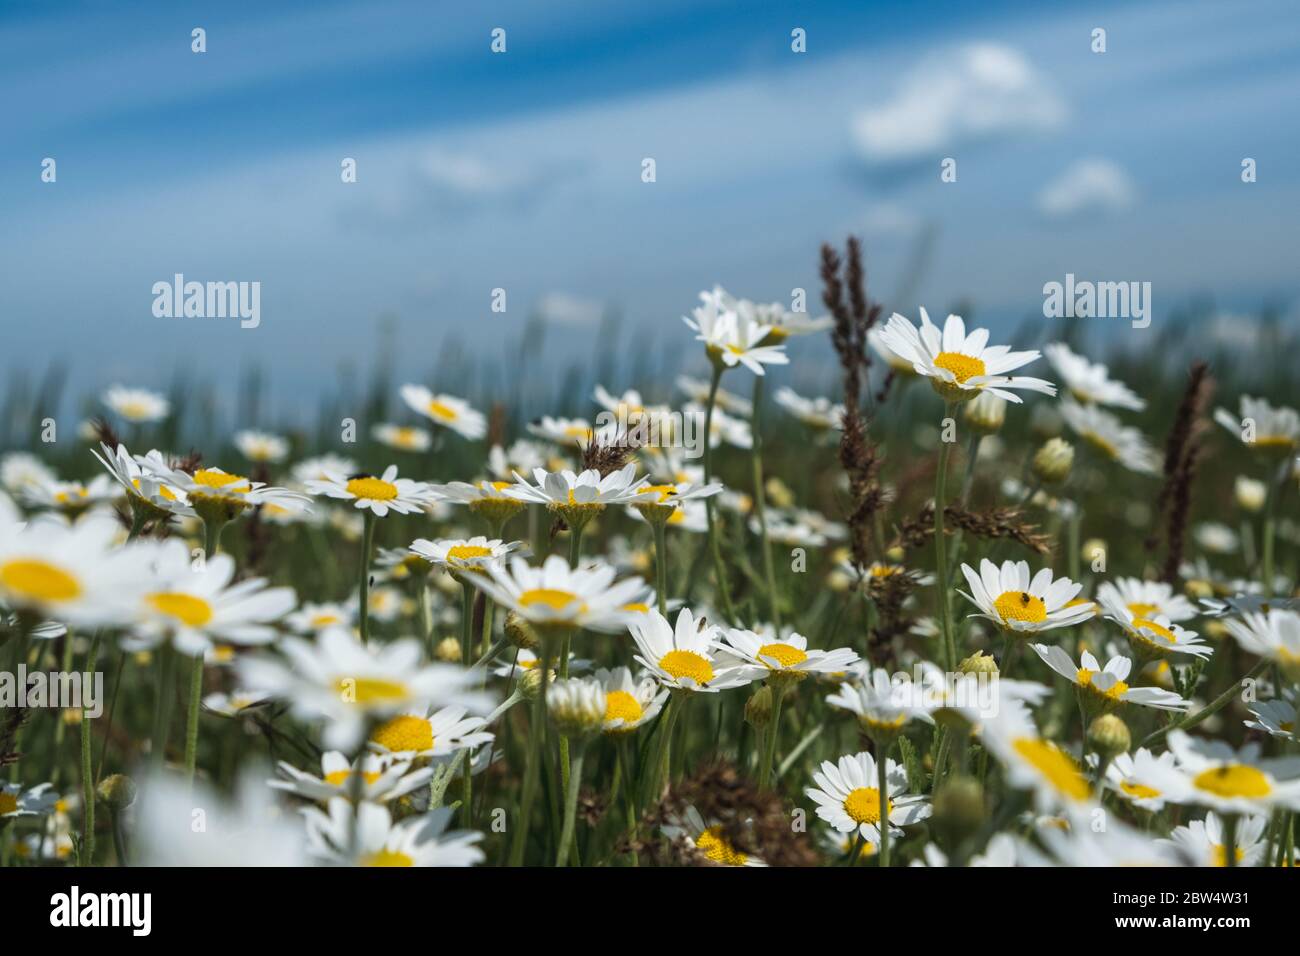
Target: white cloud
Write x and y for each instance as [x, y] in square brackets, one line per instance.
[561, 308]
[1087, 185]
[975, 92]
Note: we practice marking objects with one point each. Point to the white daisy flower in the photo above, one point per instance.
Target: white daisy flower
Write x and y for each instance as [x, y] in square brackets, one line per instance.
[341, 681]
[19, 469]
[629, 703]
[382, 778]
[557, 595]
[197, 606]
[1273, 634]
[733, 337]
[465, 554]
[235, 702]
[958, 365]
[1215, 537]
[430, 733]
[1117, 845]
[848, 796]
[140, 484]
[262, 446]
[418, 840]
[1105, 686]
[1129, 775]
[447, 411]
[710, 840]
[697, 390]
[381, 495]
[562, 431]
[973, 697]
[321, 467]
[525, 660]
[214, 488]
[1274, 717]
[1001, 851]
[561, 488]
[522, 455]
[402, 437]
[1146, 598]
[817, 413]
[37, 801]
[1118, 442]
[71, 497]
[688, 656]
[1204, 842]
[137, 405]
[724, 429]
[786, 656]
[898, 365]
[312, 618]
[74, 574]
[881, 705]
[1269, 428]
[1033, 762]
[1212, 774]
[1015, 602]
[1156, 635]
[1088, 382]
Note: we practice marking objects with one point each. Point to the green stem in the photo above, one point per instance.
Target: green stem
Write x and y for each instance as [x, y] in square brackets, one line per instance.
[769, 743]
[87, 771]
[1230, 840]
[1208, 710]
[760, 503]
[661, 565]
[367, 546]
[882, 787]
[941, 558]
[466, 655]
[719, 571]
[537, 725]
[667, 720]
[192, 718]
[570, 805]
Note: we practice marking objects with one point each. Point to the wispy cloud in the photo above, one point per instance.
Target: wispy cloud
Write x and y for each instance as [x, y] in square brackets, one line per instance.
[1087, 185]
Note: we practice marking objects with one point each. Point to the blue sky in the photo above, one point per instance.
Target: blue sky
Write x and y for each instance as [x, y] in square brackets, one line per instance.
[522, 170]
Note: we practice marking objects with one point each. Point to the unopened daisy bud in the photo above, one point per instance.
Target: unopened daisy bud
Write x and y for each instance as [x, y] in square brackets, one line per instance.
[530, 681]
[1052, 462]
[779, 494]
[520, 633]
[758, 709]
[1109, 736]
[576, 705]
[985, 414]
[1093, 549]
[448, 650]
[959, 808]
[1251, 494]
[1044, 422]
[117, 792]
[896, 554]
[978, 663]
[1198, 589]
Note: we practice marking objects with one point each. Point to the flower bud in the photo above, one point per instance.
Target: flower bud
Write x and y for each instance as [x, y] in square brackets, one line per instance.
[1052, 462]
[1250, 494]
[117, 792]
[520, 633]
[959, 808]
[576, 705]
[978, 663]
[1044, 421]
[985, 414]
[447, 650]
[1109, 736]
[758, 709]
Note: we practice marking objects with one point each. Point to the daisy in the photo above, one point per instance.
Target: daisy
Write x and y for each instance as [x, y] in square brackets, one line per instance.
[1033, 762]
[881, 706]
[972, 696]
[523, 456]
[788, 656]
[321, 467]
[1272, 634]
[629, 703]
[1212, 774]
[1115, 845]
[71, 498]
[732, 337]
[564, 488]
[1105, 687]
[562, 431]
[137, 405]
[848, 798]
[196, 607]
[38, 801]
[430, 733]
[559, 596]
[526, 660]
[1274, 717]
[262, 446]
[1146, 598]
[1203, 841]
[464, 554]
[710, 841]
[837, 844]
[817, 413]
[232, 704]
[341, 681]
[1000, 852]
[1156, 635]
[1015, 602]
[1129, 775]
[446, 410]
[381, 495]
[1104, 432]
[219, 495]
[19, 469]
[724, 429]
[313, 618]
[697, 390]
[418, 840]
[402, 437]
[958, 365]
[1269, 428]
[898, 365]
[687, 657]
[382, 779]
[142, 487]
[71, 573]
[1090, 383]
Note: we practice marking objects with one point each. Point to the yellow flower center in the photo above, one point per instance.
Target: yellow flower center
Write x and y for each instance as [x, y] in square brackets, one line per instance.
[133, 410]
[39, 580]
[189, 610]
[324, 620]
[1234, 780]
[718, 848]
[339, 777]
[374, 489]
[1020, 606]
[213, 478]
[1056, 766]
[444, 412]
[407, 437]
[167, 493]
[1142, 609]
[8, 803]
[404, 733]
[962, 367]
[883, 570]
[387, 857]
[863, 805]
[467, 552]
[1219, 855]
[663, 491]
[637, 607]
[1116, 692]
[687, 664]
[784, 654]
[553, 598]
[1138, 790]
[620, 705]
[1102, 444]
[370, 690]
[1160, 629]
